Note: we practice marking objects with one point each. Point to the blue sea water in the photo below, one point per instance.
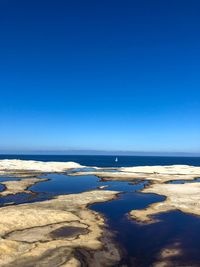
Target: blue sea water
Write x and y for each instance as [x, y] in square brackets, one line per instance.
[109, 161]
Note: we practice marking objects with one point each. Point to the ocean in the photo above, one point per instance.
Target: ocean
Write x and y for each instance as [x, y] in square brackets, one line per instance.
[109, 161]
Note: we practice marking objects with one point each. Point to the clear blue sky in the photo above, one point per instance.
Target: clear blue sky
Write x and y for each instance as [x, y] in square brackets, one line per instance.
[102, 75]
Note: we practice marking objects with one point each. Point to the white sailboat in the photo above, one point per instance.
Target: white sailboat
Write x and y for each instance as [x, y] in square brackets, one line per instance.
[116, 160]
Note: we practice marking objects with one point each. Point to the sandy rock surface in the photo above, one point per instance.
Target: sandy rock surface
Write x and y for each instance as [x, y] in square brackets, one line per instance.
[184, 197]
[159, 174]
[15, 187]
[171, 169]
[57, 232]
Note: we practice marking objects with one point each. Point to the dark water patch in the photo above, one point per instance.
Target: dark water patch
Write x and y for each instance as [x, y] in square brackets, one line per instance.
[65, 184]
[2, 187]
[59, 184]
[127, 231]
[144, 242]
[6, 179]
[123, 186]
[14, 199]
[68, 231]
[184, 181]
[174, 227]
[22, 198]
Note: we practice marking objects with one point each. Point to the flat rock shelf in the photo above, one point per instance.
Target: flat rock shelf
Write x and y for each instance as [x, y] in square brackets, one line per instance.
[66, 214]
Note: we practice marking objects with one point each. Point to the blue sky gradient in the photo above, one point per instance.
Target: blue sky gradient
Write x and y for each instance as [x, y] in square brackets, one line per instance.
[100, 75]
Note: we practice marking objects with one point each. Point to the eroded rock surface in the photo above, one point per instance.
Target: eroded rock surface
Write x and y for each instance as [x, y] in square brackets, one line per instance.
[57, 232]
[170, 169]
[158, 174]
[64, 232]
[15, 187]
[184, 197]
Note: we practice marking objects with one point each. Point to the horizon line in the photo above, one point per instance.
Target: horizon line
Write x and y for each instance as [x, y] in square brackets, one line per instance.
[99, 153]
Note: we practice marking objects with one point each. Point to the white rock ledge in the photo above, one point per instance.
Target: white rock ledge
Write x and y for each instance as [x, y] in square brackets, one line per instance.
[38, 166]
